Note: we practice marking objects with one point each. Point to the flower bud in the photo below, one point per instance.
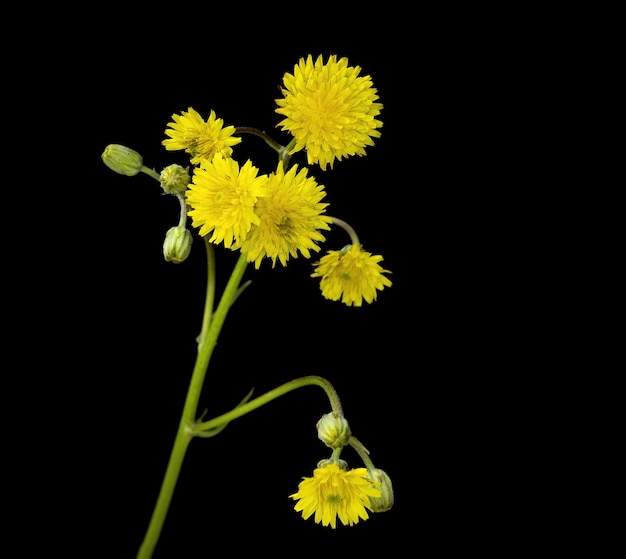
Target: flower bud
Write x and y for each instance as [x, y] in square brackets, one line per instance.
[122, 160]
[177, 244]
[381, 481]
[174, 179]
[333, 430]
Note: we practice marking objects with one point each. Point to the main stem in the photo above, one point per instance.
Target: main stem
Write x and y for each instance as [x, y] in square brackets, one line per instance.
[188, 417]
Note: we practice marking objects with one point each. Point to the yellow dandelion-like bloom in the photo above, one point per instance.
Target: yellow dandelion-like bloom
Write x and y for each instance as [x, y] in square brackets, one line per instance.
[329, 109]
[222, 198]
[290, 218]
[333, 492]
[351, 274]
[200, 139]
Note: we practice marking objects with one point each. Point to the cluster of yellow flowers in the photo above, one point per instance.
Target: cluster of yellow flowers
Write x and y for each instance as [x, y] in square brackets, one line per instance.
[330, 111]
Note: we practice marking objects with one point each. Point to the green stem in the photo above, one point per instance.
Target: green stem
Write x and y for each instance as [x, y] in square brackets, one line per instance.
[151, 173]
[283, 151]
[182, 220]
[256, 132]
[210, 291]
[348, 229]
[268, 397]
[362, 452]
[205, 349]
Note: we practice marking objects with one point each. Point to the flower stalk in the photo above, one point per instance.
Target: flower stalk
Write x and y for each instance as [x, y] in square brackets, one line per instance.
[207, 343]
[348, 229]
[188, 427]
[311, 380]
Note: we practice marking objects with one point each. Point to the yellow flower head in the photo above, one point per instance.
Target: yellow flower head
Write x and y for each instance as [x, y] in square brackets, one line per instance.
[200, 139]
[351, 274]
[333, 492]
[329, 109]
[290, 218]
[222, 199]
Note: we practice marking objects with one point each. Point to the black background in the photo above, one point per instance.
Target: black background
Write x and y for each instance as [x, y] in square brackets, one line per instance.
[421, 371]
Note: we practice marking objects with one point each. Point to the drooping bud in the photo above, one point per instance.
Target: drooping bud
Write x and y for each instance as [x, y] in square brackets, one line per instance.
[177, 244]
[333, 430]
[381, 481]
[175, 179]
[122, 160]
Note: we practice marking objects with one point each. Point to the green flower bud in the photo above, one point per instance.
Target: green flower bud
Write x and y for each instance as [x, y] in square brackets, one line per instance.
[381, 481]
[333, 430]
[122, 160]
[177, 244]
[174, 179]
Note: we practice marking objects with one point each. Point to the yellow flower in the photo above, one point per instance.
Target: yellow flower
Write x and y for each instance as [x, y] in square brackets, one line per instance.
[222, 199]
[290, 217]
[351, 274]
[200, 139]
[329, 109]
[333, 492]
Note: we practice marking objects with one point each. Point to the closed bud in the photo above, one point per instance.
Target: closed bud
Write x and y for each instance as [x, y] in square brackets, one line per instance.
[333, 430]
[122, 160]
[177, 244]
[383, 482]
[175, 179]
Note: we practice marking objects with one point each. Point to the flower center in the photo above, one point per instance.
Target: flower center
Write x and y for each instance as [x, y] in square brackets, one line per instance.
[334, 499]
